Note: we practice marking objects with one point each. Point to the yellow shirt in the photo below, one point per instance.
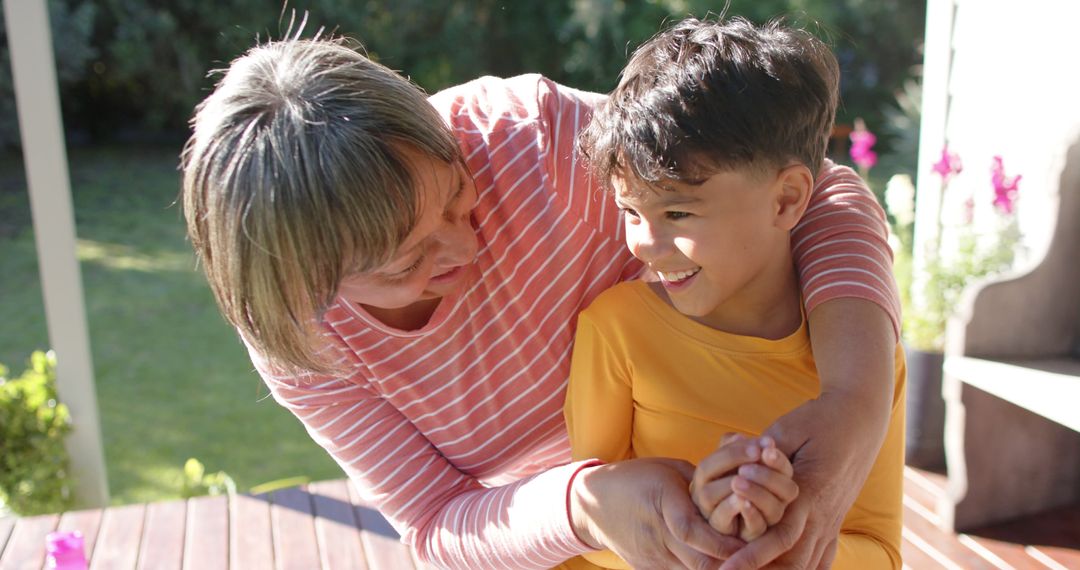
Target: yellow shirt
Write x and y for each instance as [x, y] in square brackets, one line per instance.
[647, 381]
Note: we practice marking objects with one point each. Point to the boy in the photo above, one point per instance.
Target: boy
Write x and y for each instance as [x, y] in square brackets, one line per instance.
[711, 143]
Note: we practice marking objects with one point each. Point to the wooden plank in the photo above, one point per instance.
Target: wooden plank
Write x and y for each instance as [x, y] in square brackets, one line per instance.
[1052, 538]
[295, 545]
[117, 545]
[1009, 554]
[922, 492]
[932, 540]
[1047, 387]
[914, 556]
[162, 546]
[1064, 558]
[382, 544]
[27, 548]
[207, 544]
[251, 540]
[88, 522]
[924, 487]
[336, 526]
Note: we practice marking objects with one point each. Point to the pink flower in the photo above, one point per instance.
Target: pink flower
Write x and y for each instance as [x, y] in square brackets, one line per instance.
[949, 165]
[1005, 188]
[862, 143]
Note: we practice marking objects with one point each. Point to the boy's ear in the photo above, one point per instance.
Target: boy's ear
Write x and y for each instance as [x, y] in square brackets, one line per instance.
[795, 184]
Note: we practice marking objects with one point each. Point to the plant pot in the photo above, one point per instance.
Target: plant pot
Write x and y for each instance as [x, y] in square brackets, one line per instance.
[925, 433]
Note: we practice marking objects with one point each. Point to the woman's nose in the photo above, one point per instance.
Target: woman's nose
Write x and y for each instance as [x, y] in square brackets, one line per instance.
[457, 241]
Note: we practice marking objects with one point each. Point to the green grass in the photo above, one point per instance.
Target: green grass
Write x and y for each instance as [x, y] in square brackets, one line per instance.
[173, 380]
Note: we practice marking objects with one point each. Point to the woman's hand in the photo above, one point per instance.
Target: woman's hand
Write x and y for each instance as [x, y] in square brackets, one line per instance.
[641, 510]
[831, 464]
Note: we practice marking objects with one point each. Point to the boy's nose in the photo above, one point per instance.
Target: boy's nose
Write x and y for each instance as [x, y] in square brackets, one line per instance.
[646, 244]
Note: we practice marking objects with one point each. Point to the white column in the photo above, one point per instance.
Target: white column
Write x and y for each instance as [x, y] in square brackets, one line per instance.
[937, 69]
[38, 101]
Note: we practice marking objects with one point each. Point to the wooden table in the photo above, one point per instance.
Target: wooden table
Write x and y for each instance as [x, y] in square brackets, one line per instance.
[325, 526]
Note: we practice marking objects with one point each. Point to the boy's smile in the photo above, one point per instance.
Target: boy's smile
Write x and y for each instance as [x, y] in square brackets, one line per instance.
[720, 248]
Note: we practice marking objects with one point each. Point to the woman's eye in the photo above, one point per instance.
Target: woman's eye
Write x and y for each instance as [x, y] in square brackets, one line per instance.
[678, 215]
[416, 265]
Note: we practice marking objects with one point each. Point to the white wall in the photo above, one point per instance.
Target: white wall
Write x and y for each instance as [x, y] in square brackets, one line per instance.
[1001, 78]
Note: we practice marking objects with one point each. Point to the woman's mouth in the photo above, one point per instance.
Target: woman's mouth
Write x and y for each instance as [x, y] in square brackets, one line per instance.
[448, 275]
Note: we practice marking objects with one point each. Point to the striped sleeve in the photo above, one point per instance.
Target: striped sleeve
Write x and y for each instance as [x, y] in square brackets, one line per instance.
[563, 113]
[447, 516]
[840, 246]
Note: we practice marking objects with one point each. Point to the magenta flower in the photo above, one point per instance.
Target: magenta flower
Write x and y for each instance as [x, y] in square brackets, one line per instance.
[862, 144]
[1005, 188]
[949, 165]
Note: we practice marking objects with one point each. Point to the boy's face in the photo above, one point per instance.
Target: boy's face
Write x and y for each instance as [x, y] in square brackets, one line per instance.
[434, 257]
[720, 249]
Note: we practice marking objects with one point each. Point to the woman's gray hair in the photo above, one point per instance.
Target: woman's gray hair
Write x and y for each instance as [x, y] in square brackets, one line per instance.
[295, 176]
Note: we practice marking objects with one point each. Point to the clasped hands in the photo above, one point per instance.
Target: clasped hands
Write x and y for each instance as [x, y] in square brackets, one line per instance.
[744, 486]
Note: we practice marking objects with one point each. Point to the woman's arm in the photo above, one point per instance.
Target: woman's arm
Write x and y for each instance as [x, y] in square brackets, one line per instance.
[446, 515]
[845, 268]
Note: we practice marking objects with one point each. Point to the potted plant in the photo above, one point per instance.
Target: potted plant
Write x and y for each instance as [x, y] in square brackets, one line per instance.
[958, 254]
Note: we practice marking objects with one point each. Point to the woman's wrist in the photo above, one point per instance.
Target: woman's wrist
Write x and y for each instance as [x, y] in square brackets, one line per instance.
[578, 501]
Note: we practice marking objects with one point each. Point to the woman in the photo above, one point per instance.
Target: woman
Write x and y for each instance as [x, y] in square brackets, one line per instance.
[406, 274]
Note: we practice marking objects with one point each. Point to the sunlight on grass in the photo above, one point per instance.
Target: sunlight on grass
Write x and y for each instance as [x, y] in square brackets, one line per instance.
[120, 256]
[155, 481]
[173, 380]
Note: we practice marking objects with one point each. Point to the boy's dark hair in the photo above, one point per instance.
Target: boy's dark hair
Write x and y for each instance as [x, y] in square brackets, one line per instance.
[705, 96]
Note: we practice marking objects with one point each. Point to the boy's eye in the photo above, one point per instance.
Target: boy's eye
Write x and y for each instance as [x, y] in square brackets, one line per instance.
[628, 211]
[678, 215]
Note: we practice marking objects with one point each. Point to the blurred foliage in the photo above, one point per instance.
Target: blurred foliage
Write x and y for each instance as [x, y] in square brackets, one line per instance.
[976, 258]
[72, 25]
[136, 67]
[197, 482]
[33, 460]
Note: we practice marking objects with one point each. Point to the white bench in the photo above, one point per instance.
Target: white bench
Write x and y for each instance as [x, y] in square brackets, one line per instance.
[1012, 385]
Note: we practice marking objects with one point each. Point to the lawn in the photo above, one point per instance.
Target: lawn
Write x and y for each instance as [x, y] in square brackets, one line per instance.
[173, 380]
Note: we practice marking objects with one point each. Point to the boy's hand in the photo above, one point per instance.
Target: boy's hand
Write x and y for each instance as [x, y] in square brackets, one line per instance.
[744, 486]
[764, 489]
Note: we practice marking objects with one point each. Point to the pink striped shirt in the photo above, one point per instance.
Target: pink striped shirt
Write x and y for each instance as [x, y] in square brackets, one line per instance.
[455, 431]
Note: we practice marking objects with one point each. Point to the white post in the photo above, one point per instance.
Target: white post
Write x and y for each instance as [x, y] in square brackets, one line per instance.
[937, 67]
[38, 101]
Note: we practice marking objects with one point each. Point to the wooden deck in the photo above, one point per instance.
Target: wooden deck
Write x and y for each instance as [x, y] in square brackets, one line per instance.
[324, 525]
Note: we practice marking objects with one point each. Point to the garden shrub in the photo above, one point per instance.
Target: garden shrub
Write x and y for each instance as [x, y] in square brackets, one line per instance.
[33, 423]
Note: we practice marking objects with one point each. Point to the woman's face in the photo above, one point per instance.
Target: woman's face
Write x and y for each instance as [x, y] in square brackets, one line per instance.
[433, 259]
